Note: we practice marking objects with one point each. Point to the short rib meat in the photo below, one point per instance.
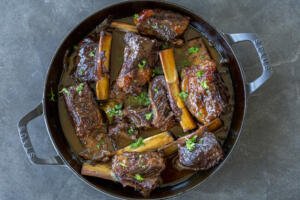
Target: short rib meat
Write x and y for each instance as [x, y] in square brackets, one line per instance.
[163, 24]
[88, 122]
[139, 170]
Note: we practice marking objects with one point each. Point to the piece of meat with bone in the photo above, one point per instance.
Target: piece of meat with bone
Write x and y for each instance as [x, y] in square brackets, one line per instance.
[140, 56]
[163, 24]
[200, 153]
[85, 61]
[206, 93]
[88, 122]
[163, 117]
[139, 170]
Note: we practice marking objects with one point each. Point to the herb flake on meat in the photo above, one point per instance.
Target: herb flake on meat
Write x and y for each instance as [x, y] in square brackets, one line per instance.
[138, 177]
[65, 90]
[191, 143]
[183, 95]
[115, 111]
[139, 142]
[148, 116]
[193, 50]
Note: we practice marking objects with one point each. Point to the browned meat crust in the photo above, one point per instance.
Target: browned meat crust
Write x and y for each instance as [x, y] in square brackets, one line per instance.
[139, 170]
[163, 24]
[140, 56]
[85, 61]
[88, 122]
[206, 154]
[163, 117]
[206, 98]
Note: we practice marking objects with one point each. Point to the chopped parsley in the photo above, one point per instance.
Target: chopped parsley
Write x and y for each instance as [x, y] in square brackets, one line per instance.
[155, 90]
[183, 95]
[115, 111]
[199, 73]
[51, 95]
[204, 85]
[131, 130]
[148, 116]
[193, 50]
[139, 142]
[142, 99]
[81, 72]
[191, 143]
[138, 177]
[65, 91]
[79, 88]
[199, 113]
[122, 164]
[154, 26]
[92, 54]
[142, 64]
[101, 142]
[135, 16]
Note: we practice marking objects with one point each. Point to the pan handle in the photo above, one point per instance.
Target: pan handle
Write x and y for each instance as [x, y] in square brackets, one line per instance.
[257, 43]
[25, 139]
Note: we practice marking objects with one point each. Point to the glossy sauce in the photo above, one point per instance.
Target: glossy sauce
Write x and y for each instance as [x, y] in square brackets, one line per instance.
[170, 175]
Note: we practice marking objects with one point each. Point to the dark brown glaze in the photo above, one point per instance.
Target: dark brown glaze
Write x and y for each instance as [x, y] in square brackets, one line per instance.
[206, 154]
[163, 24]
[163, 117]
[137, 116]
[85, 61]
[207, 97]
[132, 77]
[122, 133]
[88, 123]
[147, 166]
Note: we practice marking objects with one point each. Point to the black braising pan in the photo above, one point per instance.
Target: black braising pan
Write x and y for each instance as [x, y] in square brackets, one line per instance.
[222, 42]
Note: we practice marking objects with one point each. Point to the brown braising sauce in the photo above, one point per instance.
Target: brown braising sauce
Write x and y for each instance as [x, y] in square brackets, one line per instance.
[170, 175]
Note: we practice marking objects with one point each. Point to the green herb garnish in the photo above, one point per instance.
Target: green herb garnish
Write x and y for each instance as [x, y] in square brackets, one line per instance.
[92, 54]
[79, 88]
[199, 73]
[148, 116]
[81, 72]
[115, 111]
[154, 26]
[139, 142]
[122, 164]
[131, 130]
[199, 113]
[193, 50]
[204, 85]
[142, 64]
[155, 90]
[135, 16]
[142, 99]
[101, 142]
[191, 143]
[51, 95]
[183, 95]
[65, 91]
[138, 177]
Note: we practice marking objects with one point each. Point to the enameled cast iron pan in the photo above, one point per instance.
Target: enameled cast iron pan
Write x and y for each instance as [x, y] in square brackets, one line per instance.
[222, 42]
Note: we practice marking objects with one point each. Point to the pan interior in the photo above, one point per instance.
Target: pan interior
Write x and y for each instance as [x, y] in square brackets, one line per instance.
[56, 69]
